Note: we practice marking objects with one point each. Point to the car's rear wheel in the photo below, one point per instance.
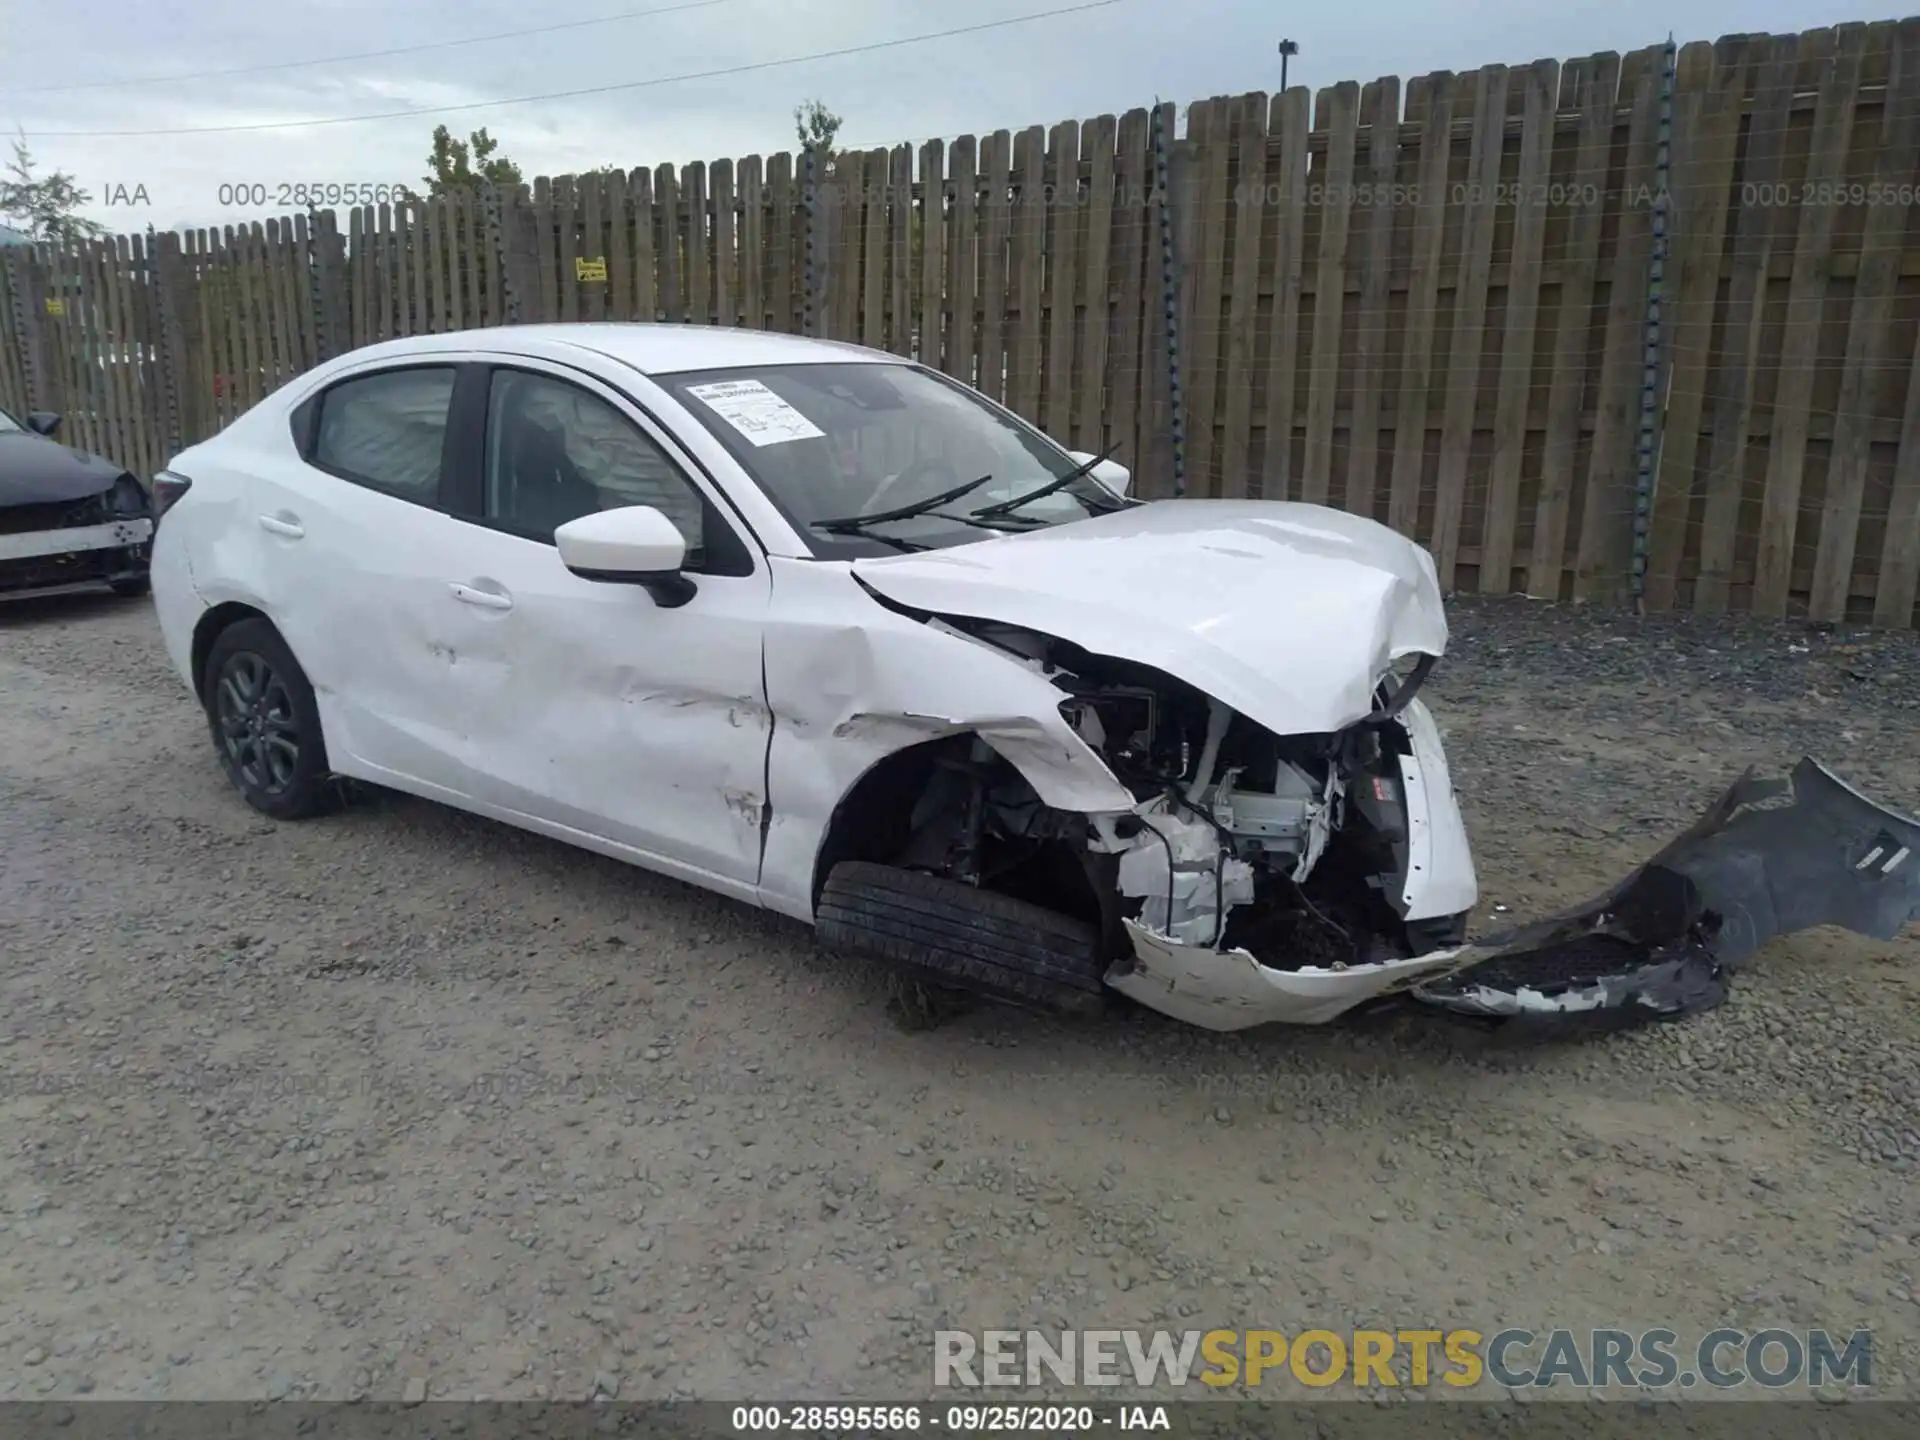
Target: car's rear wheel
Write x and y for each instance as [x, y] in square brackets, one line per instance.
[265, 725]
[955, 935]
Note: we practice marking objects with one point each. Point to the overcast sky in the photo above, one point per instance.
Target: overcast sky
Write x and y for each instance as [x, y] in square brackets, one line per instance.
[1106, 59]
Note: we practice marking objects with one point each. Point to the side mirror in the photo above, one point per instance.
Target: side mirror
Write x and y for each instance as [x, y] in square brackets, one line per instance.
[43, 422]
[633, 545]
[1110, 473]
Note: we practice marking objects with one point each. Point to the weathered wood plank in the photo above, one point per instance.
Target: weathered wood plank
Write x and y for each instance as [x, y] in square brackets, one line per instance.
[1591, 87]
[430, 244]
[646, 287]
[1090, 378]
[1757, 230]
[899, 214]
[782, 299]
[1468, 336]
[1380, 112]
[123, 391]
[1203, 342]
[1291, 118]
[566, 222]
[1899, 580]
[872, 328]
[1539, 94]
[726, 289]
[1027, 272]
[1061, 214]
[1706, 136]
[931, 263]
[1250, 213]
[1604, 553]
[1132, 214]
[593, 245]
[480, 262]
[1340, 118]
[619, 248]
[287, 299]
[1433, 95]
[666, 237]
[963, 262]
[753, 245]
[847, 242]
[257, 336]
[1831, 65]
[997, 222]
[1869, 334]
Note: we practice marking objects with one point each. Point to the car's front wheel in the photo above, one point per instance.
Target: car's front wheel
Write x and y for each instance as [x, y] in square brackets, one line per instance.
[265, 724]
[964, 938]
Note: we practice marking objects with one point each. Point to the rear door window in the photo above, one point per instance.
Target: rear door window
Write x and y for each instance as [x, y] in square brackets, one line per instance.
[387, 431]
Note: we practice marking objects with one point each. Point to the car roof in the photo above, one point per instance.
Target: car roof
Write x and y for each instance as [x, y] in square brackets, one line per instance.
[648, 348]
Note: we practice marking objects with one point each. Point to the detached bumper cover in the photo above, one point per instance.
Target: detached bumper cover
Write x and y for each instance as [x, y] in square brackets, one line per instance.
[1768, 858]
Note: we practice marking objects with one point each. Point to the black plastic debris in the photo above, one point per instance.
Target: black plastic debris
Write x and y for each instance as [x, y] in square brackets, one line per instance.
[1769, 857]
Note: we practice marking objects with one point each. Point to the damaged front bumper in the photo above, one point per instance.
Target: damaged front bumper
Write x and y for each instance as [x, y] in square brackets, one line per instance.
[1769, 858]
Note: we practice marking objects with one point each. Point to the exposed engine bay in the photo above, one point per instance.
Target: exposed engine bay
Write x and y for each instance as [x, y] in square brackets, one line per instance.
[1295, 849]
[1266, 878]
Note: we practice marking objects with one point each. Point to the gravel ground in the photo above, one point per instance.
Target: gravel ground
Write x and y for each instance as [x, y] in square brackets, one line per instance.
[403, 1099]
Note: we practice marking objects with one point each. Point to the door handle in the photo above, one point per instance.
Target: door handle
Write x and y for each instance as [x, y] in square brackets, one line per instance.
[274, 525]
[485, 599]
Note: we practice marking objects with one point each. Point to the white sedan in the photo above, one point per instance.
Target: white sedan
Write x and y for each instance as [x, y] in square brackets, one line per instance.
[819, 628]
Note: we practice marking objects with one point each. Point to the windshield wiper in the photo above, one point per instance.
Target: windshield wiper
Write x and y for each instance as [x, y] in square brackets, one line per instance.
[854, 524]
[1080, 471]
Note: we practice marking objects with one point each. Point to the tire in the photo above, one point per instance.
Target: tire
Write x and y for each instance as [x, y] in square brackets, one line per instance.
[965, 938]
[264, 723]
[131, 586]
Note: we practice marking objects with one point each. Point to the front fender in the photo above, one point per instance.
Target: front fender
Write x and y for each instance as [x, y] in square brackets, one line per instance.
[851, 682]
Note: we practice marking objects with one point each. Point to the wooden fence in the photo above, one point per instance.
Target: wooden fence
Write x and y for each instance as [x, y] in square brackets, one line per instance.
[1426, 303]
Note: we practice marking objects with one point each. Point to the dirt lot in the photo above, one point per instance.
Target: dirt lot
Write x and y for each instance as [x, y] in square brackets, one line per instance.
[320, 1110]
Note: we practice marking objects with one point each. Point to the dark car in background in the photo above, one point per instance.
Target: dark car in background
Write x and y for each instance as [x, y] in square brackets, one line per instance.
[67, 517]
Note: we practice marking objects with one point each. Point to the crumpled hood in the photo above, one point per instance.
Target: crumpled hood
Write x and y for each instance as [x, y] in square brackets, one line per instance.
[1289, 613]
[37, 471]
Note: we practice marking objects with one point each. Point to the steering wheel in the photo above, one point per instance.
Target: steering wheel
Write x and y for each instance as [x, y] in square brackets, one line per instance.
[933, 467]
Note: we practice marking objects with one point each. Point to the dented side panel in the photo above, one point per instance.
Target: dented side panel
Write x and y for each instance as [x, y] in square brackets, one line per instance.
[593, 709]
[851, 682]
[354, 590]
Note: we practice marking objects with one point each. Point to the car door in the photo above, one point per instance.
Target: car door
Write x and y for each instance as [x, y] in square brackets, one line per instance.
[595, 711]
[355, 536]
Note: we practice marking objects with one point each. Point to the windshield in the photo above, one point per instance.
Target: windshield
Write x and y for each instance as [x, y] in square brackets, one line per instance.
[9, 425]
[842, 450]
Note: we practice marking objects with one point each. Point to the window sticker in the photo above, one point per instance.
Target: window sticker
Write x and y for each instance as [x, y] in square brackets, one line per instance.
[756, 412]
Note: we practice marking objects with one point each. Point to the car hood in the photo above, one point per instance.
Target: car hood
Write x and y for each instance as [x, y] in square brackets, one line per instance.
[37, 471]
[1289, 613]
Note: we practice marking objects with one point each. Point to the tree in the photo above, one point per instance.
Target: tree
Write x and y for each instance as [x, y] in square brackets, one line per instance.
[467, 164]
[816, 126]
[44, 205]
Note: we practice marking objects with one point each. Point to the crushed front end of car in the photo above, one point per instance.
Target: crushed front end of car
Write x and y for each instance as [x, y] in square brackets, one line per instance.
[1249, 675]
[1289, 879]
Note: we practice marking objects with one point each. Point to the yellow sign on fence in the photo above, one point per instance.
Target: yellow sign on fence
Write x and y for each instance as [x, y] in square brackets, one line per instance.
[595, 269]
[56, 307]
